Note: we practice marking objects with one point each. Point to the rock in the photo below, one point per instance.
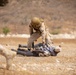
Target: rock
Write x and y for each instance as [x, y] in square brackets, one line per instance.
[8, 54]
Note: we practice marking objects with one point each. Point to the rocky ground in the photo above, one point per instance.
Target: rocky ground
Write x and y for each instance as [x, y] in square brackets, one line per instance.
[63, 64]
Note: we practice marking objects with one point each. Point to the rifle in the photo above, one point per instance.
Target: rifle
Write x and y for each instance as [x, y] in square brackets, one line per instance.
[33, 42]
[33, 45]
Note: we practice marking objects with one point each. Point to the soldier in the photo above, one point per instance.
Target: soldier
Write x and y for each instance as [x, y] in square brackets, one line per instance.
[38, 26]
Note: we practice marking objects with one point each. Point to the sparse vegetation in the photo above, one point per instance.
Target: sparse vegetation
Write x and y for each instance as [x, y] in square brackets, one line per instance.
[55, 31]
[6, 30]
[19, 13]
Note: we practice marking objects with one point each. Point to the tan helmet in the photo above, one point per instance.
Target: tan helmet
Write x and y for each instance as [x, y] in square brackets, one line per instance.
[36, 22]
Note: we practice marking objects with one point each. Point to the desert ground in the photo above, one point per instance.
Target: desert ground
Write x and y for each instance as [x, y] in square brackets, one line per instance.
[62, 64]
[59, 16]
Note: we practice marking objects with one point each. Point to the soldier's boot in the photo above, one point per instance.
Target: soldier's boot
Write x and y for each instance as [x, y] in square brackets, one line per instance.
[29, 49]
[41, 55]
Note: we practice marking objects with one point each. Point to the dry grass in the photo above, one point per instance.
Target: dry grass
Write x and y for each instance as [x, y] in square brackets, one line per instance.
[56, 13]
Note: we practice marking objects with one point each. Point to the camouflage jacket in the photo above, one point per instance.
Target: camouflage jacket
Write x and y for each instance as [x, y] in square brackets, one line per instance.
[41, 29]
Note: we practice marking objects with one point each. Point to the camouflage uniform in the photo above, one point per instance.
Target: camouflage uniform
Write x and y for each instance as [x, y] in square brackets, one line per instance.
[38, 26]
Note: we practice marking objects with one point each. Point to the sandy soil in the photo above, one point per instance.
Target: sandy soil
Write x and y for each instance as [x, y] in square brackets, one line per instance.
[63, 64]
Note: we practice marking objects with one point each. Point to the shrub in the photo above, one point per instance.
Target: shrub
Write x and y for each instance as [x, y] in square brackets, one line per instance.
[55, 32]
[6, 30]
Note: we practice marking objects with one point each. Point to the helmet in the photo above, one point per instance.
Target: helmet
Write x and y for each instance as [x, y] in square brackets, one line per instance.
[36, 22]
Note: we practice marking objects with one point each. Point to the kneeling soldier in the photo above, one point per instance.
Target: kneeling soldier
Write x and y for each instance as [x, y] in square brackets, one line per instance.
[38, 26]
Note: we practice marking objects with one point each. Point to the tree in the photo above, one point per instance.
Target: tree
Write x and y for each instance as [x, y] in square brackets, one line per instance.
[6, 30]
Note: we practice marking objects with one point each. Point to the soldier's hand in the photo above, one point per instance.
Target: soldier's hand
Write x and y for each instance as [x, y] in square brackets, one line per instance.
[43, 44]
[35, 40]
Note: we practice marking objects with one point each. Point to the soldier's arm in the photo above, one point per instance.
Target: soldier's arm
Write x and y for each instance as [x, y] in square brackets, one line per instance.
[42, 29]
[30, 29]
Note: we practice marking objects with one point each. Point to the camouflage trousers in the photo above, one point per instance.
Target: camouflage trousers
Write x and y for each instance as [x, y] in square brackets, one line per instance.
[34, 37]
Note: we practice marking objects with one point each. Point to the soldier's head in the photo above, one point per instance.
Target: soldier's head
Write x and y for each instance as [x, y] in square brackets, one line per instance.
[58, 49]
[36, 22]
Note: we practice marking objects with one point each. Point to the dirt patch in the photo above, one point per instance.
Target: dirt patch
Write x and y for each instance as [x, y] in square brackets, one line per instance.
[63, 64]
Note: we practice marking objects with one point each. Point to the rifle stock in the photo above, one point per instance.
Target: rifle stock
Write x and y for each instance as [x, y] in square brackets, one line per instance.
[33, 45]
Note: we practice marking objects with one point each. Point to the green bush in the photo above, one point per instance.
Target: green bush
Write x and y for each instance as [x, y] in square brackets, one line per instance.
[6, 30]
[55, 32]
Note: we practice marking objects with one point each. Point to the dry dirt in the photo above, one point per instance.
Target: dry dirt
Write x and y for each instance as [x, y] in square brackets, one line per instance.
[57, 14]
[63, 64]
